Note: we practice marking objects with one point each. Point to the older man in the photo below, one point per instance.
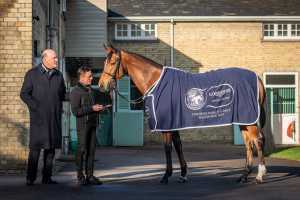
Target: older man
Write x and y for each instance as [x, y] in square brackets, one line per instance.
[43, 91]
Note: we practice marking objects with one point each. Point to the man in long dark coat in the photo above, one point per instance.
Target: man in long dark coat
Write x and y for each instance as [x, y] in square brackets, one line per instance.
[43, 91]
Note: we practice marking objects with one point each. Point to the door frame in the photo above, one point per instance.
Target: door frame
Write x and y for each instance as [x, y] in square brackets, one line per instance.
[296, 86]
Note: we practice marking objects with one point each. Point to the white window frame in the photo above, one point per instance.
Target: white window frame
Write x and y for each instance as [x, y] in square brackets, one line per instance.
[142, 37]
[276, 37]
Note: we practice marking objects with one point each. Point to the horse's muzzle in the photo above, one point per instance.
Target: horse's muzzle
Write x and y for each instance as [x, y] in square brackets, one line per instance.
[107, 86]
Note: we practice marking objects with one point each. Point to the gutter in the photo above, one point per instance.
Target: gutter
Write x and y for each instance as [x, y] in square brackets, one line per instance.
[172, 41]
[206, 18]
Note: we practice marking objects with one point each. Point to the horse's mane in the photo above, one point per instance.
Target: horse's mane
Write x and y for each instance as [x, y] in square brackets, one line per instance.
[138, 56]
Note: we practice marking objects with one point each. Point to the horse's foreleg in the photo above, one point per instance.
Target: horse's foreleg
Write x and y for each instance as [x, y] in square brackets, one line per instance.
[167, 137]
[249, 156]
[261, 166]
[178, 147]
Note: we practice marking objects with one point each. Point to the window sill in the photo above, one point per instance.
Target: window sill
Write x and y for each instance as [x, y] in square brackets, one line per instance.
[280, 40]
[135, 41]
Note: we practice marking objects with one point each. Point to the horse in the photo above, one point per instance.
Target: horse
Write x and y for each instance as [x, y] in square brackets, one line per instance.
[144, 73]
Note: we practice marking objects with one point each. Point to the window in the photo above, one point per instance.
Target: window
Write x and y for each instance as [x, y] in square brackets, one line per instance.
[281, 31]
[295, 32]
[135, 31]
[122, 30]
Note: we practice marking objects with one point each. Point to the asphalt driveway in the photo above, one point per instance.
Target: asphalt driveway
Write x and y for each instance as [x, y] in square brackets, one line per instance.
[134, 173]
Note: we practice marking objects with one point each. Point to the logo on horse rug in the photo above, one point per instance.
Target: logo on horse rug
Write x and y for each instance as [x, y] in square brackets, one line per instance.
[181, 100]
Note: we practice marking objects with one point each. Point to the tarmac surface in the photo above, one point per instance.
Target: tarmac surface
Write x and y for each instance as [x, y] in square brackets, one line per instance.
[134, 173]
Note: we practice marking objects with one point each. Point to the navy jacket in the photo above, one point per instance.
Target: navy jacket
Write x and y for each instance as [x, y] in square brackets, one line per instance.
[43, 93]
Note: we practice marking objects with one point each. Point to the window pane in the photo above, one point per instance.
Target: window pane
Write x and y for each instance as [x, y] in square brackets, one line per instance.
[135, 30]
[293, 33]
[280, 79]
[268, 29]
[293, 26]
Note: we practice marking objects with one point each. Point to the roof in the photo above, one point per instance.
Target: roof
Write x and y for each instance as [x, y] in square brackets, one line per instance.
[158, 8]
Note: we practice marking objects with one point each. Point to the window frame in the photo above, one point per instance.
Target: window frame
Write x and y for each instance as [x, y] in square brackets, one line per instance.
[276, 30]
[136, 38]
[278, 85]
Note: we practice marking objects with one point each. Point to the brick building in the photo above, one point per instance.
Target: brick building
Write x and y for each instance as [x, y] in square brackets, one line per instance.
[196, 35]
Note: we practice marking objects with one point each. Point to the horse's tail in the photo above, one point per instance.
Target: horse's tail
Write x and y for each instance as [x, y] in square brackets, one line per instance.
[262, 99]
[262, 117]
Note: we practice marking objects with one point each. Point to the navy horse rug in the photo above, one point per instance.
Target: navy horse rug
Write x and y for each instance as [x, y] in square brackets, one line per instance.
[182, 100]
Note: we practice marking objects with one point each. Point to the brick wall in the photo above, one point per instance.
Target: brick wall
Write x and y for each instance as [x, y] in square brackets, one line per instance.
[15, 60]
[203, 46]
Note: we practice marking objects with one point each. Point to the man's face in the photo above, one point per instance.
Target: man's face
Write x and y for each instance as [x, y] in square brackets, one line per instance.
[86, 78]
[50, 60]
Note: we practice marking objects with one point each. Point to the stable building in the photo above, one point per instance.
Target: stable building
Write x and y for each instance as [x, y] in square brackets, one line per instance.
[199, 36]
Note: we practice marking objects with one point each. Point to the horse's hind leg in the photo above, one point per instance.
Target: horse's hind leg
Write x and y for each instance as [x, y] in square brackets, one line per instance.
[178, 147]
[249, 155]
[167, 137]
[259, 143]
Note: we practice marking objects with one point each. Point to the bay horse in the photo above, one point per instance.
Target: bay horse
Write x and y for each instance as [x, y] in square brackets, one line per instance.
[144, 73]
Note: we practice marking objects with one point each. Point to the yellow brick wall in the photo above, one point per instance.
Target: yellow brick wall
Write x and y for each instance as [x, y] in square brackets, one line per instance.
[215, 45]
[15, 60]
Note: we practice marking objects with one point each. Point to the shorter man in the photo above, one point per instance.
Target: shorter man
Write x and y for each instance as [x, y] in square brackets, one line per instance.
[86, 112]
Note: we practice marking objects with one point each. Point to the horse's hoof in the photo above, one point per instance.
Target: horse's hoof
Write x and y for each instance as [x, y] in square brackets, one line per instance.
[258, 181]
[164, 181]
[182, 179]
[242, 180]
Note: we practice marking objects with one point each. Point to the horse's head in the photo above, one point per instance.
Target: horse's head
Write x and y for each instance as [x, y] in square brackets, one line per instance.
[113, 69]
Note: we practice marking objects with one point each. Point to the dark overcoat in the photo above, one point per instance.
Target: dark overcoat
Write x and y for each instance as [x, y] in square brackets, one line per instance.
[43, 93]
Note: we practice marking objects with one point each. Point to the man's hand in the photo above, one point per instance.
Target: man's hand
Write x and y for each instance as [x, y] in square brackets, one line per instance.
[98, 107]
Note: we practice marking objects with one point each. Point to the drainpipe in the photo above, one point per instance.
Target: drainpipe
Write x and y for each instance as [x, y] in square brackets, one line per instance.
[49, 24]
[172, 41]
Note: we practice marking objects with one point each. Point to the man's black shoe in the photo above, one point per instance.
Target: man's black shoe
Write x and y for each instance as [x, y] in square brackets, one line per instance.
[48, 181]
[82, 180]
[29, 182]
[92, 180]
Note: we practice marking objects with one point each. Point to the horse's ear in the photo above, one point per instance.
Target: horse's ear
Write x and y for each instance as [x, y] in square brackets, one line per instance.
[108, 48]
[111, 46]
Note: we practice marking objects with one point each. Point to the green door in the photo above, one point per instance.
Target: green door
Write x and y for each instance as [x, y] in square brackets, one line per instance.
[128, 125]
[281, 100]
[282, 104]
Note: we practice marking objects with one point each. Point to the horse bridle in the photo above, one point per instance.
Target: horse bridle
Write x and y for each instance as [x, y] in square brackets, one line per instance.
[113, 76]
[117, 66]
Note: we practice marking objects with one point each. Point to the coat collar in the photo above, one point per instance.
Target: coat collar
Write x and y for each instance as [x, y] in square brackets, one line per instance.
[43, 70]
[86, 88]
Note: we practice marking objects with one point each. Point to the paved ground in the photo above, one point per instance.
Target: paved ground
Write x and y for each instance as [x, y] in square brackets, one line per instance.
[134, 173]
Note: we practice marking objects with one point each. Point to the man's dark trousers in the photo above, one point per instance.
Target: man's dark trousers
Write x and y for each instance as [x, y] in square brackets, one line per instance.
[86, 149]
[33, 160]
